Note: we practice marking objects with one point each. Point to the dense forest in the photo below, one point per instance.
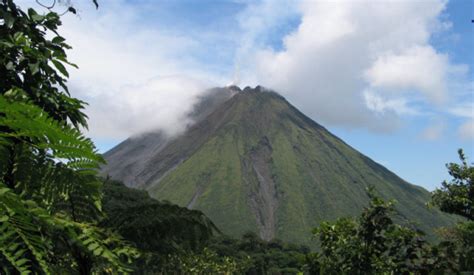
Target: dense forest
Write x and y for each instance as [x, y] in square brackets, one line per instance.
[58, 216]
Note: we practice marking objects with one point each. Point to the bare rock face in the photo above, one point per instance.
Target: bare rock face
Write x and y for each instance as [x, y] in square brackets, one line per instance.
[253, 162]
[264, 200]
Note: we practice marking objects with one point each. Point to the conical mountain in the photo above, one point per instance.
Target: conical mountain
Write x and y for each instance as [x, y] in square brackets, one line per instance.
[253, 162]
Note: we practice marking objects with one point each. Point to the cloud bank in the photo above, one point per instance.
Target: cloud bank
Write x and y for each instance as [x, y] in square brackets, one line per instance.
[135, 76]
[158, 104]
[362, 63]
[354, 64]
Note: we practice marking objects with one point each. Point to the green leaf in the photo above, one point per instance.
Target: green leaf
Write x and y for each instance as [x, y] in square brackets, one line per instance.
[35, 16]
[9, 20]
[60, 67]
[7, 44]
[34, 68]
[58, 39]
[93, 246]
[18, 36]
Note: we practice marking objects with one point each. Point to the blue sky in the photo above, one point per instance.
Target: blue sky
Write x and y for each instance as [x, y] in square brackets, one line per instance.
[392, 79]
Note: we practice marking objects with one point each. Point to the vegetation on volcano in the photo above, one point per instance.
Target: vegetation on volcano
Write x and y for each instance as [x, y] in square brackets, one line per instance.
[258, 164]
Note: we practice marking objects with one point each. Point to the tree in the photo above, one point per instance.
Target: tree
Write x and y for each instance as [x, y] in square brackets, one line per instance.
[261, 257]
[35, 65]
[50, 195]
[158, 229]
[457, 196]
[373, 244]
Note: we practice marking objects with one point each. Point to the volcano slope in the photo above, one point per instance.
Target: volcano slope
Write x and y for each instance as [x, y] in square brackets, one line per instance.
[254, 162]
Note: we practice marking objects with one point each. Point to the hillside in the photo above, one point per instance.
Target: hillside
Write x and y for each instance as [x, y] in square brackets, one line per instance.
[254, 162]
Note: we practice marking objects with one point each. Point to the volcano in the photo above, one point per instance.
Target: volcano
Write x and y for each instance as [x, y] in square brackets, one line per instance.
[253, 162]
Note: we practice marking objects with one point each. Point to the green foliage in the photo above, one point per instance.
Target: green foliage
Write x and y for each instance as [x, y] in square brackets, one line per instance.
[39, 142]
[35, 64]
[204, 262]
[171, 239]
[35, 212]
[30, 124]
[261, 257]
[457, 196]
[458, 243]
[28, 232]
[20, 235]
[177, 240]
[158, 229]
[464, 237]
[374, 245]
[50, 195]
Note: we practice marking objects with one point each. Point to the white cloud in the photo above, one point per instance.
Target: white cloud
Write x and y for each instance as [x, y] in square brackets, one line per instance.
[358, 64]
[380, 105]
[112, 46]
[161, 103]
[419, 68]
[343, 48]
[135, 76]
[257, 22]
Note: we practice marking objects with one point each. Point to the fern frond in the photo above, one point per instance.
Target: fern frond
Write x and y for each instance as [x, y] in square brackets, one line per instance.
[53, 191]
[57, 163]
[31, 124]
[21, 238]
[24, 235]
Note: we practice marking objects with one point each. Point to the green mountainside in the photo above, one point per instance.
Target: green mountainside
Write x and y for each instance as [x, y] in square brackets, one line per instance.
[255, 163]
